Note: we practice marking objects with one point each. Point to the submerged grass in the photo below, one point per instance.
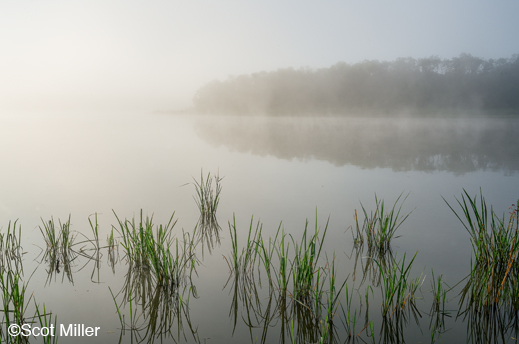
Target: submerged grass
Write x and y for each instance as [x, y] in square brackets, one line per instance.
[493, 278]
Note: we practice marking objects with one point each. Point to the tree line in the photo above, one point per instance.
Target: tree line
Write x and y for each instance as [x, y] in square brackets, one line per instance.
[423, 85]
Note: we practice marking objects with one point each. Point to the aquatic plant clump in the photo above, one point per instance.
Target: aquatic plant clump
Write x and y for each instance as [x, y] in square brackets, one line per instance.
[397, 288]
[379, 227]
[11, 248]
[494, 275]
[306, 256]
[60, 241]
[241, 262]
[157, 251]
[207, 199]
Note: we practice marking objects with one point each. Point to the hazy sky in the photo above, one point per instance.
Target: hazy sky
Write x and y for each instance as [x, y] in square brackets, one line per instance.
[153, 55]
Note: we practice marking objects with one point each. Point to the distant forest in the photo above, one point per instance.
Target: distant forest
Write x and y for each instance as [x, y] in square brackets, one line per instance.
[425, 85]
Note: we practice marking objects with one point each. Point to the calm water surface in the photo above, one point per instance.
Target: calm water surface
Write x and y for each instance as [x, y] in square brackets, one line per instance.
[275, 170]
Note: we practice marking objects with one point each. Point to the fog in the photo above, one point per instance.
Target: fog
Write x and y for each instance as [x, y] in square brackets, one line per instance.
[427, 86]
[454, 145]
[97, 55]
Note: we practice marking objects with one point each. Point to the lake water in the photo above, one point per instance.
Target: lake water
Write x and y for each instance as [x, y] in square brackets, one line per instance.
[274, 170]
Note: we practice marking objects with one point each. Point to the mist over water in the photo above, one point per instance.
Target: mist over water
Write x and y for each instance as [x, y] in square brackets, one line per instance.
[104, 109]
[274, 169]
[457, 145]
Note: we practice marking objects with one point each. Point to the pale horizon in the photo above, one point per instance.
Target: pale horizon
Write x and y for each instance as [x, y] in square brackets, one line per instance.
[107, 56]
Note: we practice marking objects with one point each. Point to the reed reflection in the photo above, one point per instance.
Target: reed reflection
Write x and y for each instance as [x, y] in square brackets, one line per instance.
[151, 312]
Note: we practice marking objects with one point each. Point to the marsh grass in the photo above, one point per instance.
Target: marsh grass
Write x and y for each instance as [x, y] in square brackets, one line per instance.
[349, 315]
[438, 311]
[207, 199]
[241, 262]
[285, 267]
[439, 301]
[303, 283]
[95, 231]
[11, 249]
[113, 250]
[45, 320]
[266, 254]
[111, 241]
[153, 248]
[379, 227]
[306, 257]
[14, 303]
[59, 242]
[332, 304]
[277, 261]
[398, 290]
[494, 270]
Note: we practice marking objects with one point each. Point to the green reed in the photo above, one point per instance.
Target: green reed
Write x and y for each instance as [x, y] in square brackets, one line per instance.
[121, 316]
[285, 268]
[138, 239]
[51, 237]
[397, 288]
[207, 199]
[266, 254]
[45, 320]
[379, 227]
[494, 271]
[14, 303]
[110, 241]
[95, 230]
[10, 248]
[242, 261]
[306, 256]
[58, 241]
[333, 292]
[153, 247]
[332, 301]
[439, 295]
[349, 318]
[315, 295]
[438, 311]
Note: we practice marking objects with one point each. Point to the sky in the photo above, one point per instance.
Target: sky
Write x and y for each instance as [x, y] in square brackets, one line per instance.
[153, 55]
